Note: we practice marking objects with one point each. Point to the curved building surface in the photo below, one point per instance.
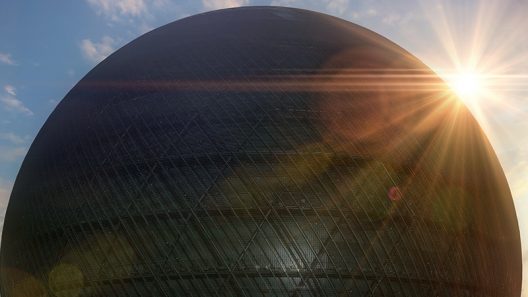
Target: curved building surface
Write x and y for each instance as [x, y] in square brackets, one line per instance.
[260, 152]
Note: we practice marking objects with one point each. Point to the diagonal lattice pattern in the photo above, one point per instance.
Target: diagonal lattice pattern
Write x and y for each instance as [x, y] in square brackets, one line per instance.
[253, 152]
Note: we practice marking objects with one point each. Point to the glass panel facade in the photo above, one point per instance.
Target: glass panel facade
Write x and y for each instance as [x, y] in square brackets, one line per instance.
[241, 153]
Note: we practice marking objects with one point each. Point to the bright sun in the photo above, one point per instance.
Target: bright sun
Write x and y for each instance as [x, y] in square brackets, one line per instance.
[468, 85]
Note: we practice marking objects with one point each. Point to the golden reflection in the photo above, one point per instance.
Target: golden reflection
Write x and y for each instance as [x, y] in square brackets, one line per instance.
[25, 284]
[66, 280]
[450, 208]
[29, 287]
[315, 179]
[104, 255]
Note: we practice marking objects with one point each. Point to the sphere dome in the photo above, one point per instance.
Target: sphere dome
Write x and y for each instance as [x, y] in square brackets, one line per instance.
[260, 151]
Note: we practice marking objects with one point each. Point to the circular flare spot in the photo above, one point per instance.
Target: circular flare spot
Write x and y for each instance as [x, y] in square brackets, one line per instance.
[394, 194]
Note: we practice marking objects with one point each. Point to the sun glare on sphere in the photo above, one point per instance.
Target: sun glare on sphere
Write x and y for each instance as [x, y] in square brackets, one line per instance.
[468, 85]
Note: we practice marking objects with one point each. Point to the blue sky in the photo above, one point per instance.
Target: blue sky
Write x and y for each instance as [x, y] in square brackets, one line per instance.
[47, 46]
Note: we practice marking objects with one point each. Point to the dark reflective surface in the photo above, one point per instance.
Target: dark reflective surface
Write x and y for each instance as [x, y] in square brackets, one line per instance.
[260, 152]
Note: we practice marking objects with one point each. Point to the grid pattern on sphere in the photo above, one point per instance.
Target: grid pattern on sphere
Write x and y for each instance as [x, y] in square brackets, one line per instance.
[271, 211]
[139, 186]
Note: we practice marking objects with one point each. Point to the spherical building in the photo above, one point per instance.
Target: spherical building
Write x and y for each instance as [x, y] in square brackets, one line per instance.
[260, 151]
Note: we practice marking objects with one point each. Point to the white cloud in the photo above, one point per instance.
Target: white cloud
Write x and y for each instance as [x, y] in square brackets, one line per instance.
[364, 14]
[130, 7]
[6, 59]
[283, 2]
[10, 154]
[334, 7]
[97, 51]
[10, 90]
[143, 15]
[372, 12]
[391, 18]
[13, 138]
[397, 19]
[218, 4]
[337, 6]
[10, 101]
[114, 9]
[53, 102]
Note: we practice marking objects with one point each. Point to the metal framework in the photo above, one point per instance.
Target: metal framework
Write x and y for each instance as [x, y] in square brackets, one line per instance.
[185, 165]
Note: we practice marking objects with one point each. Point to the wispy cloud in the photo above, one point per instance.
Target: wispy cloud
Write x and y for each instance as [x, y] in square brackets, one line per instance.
[97, 51]
[7, 59]
[284, 2]
[364, 14]
[13, 138]
[10, 154]
[10, 102]
[335, 7]
[219, 4]
[139, 15]
[391, 18]
[397, 19]
[115, 9]
[10, 90]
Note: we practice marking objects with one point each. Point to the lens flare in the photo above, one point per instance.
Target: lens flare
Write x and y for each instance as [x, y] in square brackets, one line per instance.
[466, 84]
[469, 85]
